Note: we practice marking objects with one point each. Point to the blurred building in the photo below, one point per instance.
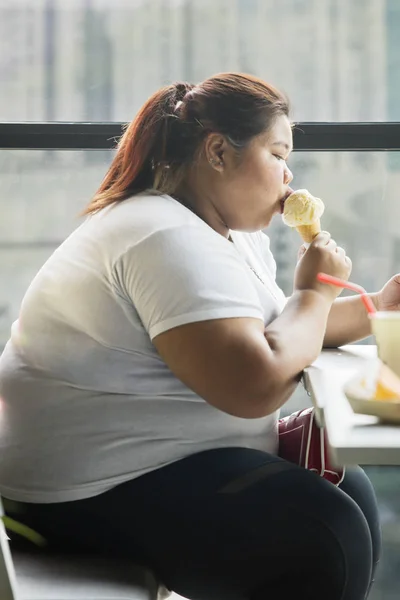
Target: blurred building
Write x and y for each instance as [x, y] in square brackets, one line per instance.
[92, 60]
[87, 59]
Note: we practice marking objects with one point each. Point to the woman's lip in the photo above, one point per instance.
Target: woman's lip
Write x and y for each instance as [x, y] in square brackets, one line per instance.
[290, 191]
[283, 203]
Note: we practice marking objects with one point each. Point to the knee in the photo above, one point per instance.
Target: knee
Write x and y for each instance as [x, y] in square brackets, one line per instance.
[341, 529]
[347, 521]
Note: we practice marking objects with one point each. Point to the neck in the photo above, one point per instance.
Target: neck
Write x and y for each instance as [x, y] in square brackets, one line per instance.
[203, 206]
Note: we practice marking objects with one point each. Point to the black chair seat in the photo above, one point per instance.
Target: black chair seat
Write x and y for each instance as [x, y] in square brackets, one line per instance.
[43, 576]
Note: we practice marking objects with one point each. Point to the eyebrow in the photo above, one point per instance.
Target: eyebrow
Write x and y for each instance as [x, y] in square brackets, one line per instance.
[284, 144]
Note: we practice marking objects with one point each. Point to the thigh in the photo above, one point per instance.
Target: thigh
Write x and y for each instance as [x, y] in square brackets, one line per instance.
[230, 524]
[238, 523]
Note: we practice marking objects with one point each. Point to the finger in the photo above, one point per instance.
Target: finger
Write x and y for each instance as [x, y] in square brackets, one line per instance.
[342, 253]
[331, 245]
[301, 252]
[321, 239]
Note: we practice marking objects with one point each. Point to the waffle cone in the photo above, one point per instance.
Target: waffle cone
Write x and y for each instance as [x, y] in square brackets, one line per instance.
[308, 232]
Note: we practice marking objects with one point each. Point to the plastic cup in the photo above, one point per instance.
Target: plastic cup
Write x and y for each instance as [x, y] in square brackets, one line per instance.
[386, 329]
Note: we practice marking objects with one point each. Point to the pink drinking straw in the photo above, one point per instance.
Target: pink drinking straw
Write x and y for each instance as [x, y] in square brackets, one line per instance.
[369, 305]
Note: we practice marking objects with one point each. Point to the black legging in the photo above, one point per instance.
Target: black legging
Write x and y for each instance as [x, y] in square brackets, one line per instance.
[231, 524]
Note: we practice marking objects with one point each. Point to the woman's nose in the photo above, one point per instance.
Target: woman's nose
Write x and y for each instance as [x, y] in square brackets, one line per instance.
[288, 177]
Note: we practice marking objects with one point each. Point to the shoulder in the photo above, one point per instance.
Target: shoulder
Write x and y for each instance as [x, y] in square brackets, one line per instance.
[148, 211]
[144, 220]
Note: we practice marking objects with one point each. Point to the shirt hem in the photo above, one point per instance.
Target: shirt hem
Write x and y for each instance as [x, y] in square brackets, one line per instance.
[52, 497]
[83, 492]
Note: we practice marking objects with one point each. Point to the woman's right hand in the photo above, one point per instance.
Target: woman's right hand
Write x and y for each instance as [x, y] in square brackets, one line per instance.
[323, 255]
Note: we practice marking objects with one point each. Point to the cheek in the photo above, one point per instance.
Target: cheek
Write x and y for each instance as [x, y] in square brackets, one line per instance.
[277, 168]
[257, 174]
[272, 174]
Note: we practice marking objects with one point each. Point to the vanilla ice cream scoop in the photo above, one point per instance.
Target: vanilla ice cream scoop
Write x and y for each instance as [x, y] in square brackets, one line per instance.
[303, 211]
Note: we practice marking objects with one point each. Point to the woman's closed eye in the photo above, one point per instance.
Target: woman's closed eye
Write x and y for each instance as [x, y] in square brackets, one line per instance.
[279, 157]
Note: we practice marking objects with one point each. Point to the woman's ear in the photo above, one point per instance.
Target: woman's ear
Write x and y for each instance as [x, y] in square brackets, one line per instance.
[215, 147]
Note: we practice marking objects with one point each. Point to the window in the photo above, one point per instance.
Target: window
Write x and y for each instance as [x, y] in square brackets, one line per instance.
[42, 194]
[97, 60]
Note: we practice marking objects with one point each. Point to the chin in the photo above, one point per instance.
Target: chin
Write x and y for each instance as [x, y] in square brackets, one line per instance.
[259, 225]
[267, 221]
[255, 228]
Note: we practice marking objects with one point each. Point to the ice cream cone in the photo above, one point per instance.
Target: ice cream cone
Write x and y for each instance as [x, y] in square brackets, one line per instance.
[308, 232]
[303, 211]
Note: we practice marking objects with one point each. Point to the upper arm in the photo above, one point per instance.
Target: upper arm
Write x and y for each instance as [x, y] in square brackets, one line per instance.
[226, 361]
[179, 276]
[197, 301]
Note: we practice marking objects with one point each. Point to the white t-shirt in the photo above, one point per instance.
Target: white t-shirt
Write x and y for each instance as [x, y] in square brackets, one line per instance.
[86, 401]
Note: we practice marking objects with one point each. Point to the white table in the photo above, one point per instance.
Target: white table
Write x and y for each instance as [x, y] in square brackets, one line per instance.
[353, 439]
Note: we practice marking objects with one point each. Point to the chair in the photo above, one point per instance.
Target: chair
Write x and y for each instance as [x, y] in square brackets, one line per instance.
[28, 574]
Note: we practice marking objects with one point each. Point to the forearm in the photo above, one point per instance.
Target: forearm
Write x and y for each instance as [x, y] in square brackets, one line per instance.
[347, 322]
[296, 336]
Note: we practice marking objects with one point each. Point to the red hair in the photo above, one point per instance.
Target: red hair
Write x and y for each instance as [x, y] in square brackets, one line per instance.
[162, 141]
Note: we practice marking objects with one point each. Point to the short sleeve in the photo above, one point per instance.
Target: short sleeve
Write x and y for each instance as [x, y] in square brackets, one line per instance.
[183, 275]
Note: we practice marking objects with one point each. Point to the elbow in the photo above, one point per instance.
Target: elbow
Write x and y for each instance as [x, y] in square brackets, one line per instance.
[257, 404]
[272, 400]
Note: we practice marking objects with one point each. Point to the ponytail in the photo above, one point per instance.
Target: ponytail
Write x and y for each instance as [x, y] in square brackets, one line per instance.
[142, 153]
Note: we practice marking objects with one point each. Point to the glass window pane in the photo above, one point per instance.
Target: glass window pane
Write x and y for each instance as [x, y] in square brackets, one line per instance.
[41, 197]
[99, 60]
[42, 194]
